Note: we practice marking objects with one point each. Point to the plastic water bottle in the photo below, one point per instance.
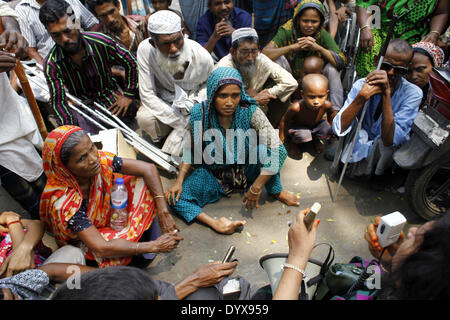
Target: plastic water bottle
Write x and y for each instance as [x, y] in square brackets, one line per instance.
[119, 199]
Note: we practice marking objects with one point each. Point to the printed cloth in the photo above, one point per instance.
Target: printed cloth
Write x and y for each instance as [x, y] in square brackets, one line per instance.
[62, 198]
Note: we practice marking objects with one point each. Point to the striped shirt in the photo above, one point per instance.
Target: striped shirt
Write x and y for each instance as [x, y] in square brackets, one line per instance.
[34, 31]
[93, 80]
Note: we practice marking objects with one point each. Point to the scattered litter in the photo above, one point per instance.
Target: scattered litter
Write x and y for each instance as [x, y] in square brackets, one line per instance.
[379, 198]
[249, 235]
[247, 242]
[190, 242]
[265, 250]
[274, 241]
[284, 206]
[296, 184]
[289, 211]
[215, 252]
[231, 218]
[324, 239]
[286, 238]
[279, 213]
[331, 220]
[315, 169]
[211, 260]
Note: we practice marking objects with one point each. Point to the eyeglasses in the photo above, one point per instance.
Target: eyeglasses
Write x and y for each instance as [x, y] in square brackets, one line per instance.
[386, 66]
[246, 52]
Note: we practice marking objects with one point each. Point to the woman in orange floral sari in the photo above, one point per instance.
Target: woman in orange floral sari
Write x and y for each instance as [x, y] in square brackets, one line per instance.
[75, 205]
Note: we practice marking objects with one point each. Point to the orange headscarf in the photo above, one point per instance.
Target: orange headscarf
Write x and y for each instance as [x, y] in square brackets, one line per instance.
[62, 198]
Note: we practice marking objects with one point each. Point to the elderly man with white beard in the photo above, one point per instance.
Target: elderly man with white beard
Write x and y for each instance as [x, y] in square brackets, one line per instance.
[172, 78]
[264, 80]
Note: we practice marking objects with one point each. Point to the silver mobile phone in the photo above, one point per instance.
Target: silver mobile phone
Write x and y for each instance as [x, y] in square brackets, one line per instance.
[229, 254]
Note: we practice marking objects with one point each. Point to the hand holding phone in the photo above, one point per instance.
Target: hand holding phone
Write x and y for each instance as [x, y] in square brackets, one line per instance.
[311, 215]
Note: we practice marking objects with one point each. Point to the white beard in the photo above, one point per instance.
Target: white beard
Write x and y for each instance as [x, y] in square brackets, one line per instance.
[173, 66]
[247, 72]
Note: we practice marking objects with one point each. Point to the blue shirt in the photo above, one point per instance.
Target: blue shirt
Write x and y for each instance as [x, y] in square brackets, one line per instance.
[205, 28]
[405, 105]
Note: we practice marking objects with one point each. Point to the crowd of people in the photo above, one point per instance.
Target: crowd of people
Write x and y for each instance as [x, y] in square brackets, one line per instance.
[230, 87]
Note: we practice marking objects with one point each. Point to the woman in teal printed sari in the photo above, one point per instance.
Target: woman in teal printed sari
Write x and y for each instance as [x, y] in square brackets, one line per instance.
[224, 164]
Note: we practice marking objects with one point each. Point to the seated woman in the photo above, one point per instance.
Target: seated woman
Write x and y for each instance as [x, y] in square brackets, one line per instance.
[236, 168]
[304, 36]
[426, 57]
[75, 205]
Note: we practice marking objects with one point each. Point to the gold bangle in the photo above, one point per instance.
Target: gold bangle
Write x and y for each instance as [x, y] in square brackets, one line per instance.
[254, 193]
[362, 28]
[158, 197]
[136, 249]
[438, 33]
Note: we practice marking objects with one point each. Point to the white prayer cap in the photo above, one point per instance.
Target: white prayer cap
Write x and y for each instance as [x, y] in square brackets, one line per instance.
[243, 33]
[164, 22]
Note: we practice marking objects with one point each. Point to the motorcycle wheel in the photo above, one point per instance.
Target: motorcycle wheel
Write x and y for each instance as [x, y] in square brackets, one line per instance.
[428, 189]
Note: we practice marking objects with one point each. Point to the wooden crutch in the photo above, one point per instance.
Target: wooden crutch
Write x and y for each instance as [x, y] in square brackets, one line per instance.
[29, 95]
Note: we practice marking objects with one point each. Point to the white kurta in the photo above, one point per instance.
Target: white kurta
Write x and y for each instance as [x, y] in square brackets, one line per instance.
[265, 69]
[158, 89]
[19, 132]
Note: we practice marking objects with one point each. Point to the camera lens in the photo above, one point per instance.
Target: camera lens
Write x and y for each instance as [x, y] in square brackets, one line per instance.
[382, 228]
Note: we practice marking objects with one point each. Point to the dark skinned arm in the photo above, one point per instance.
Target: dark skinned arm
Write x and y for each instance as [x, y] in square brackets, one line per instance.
[34, 54]
[287, 117]
[93, 239]
[152, 180]
[60, 272]
[438, 22]
[204, 276]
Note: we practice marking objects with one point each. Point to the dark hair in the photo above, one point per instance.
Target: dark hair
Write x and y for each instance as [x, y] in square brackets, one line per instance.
[53, 10]
[236, 44]
[298, 16]
[69, 144]
[113, 283]
[424, 275]
[209, 2]
[400, 46]
[94, 3]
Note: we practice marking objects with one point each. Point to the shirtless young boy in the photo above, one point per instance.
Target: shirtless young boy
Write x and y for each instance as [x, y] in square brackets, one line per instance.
[303, 121]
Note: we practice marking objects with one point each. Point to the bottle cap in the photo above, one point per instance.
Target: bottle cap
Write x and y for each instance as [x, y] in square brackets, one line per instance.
[119, 181]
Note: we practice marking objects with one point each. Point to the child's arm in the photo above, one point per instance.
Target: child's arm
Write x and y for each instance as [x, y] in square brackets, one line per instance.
[331, 112]
[287, 117]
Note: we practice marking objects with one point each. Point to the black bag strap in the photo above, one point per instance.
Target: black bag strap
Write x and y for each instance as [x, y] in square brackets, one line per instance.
[325, 266]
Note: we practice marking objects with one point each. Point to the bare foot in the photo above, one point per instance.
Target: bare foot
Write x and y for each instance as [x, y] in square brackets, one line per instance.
[287, 198]
[226, 226]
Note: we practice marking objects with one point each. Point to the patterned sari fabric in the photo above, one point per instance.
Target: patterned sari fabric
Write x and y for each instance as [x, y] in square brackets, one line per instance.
[412, 27]
[210, 182]
[289, 33]
[41, 252]
[62, 198]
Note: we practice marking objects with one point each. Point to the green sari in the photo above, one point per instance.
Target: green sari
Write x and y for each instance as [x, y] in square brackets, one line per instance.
[412, 27]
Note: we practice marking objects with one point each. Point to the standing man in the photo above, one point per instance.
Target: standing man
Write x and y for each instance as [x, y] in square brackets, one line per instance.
[21, 170]
[393, 103]
[264, 80]
[39, 40]
[172, 78]
[215, 27]
[82, 61]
